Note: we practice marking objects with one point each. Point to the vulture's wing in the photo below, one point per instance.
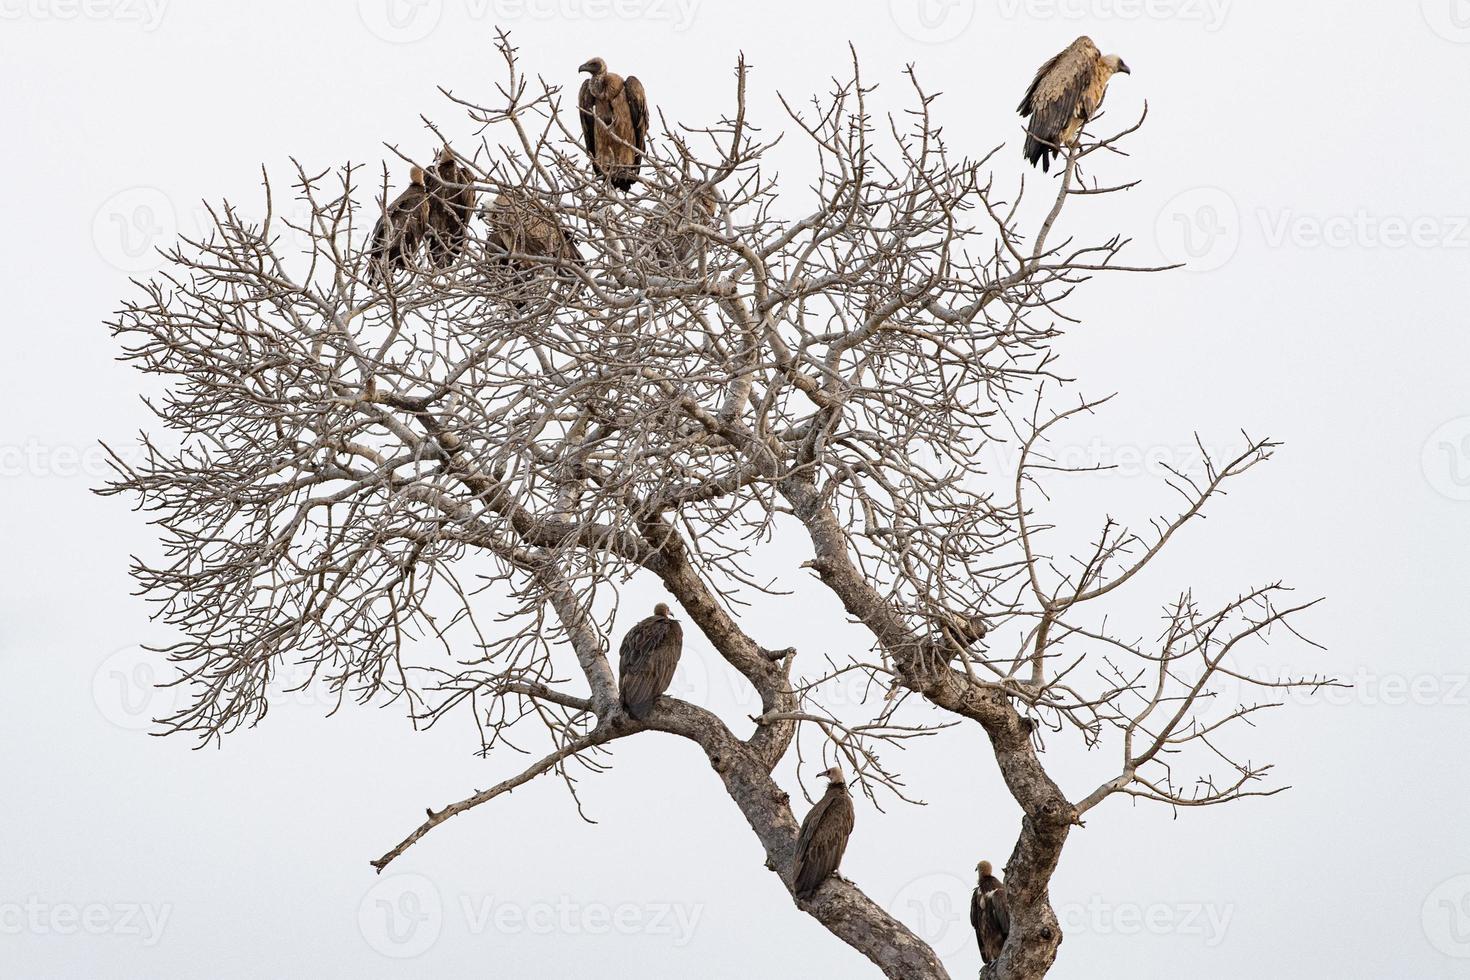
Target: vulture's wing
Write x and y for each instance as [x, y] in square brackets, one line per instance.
[638, 109]
[1001, 910]
[637, 646]
[587, 108]
[1055, 98]
[976, 910]
[809, 832]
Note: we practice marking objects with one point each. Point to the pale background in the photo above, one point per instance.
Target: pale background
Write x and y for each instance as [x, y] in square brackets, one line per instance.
[1289, 147]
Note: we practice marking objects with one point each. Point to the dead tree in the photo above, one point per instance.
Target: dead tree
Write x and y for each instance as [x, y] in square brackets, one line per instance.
[432, 487]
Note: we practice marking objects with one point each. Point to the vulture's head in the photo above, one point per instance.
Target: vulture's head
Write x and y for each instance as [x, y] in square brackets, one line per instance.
[836, 777]
[662, 611]
[594, 66]
[1116, 65]
[984, 868]
[416, 176]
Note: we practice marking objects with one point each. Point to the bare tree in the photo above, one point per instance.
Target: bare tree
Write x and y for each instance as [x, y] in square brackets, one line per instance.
[356, 460]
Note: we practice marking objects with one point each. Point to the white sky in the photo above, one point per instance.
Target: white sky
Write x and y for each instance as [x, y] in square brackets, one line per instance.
[1288, 148]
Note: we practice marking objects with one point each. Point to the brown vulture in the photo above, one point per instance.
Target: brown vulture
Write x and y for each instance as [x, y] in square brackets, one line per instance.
[401, 229]
[523, 226]
[823, 837]
[647, 659]
[1063, 96]
[989, 913]
[691, 203]
[614, 115]
[451, 204]
[436, 207]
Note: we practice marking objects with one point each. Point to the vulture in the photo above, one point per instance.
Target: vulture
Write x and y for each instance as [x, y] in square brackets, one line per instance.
[402, 227]
[521, 225]
[451, 203]
[989, 914]
[823, 837]
[435, 208]
[647, 659]
[691, 203]
[1063, 96]
[614, 123]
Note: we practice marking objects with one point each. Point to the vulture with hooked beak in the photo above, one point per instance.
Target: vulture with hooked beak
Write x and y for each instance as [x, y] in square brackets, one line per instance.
[647, 659]
[1063, 96]
[823, 837]
[989, 913]
[614, 115]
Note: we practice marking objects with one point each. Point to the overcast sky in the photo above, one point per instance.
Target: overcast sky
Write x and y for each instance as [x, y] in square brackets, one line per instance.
[1307, 158]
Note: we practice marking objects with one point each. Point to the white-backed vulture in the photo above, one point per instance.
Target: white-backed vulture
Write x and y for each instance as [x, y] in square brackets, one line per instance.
[691, 203]
[522, 225]
[1063, 96]
[823, 837]
[401, 229]
[452, 200]
[614, 113]
[989, 914]
[647, 659]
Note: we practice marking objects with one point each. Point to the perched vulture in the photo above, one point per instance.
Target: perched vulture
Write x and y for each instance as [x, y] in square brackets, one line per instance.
[989, 914]
[646, 662]
[691, 203]
[823, 836]
[452, 202]
[614, 123]
[1065, 94]
[436, 209]
[401, 229]
[523, 226]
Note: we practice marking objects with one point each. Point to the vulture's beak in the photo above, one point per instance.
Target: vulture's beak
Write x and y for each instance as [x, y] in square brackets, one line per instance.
[1123, 68]
[588, 66]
